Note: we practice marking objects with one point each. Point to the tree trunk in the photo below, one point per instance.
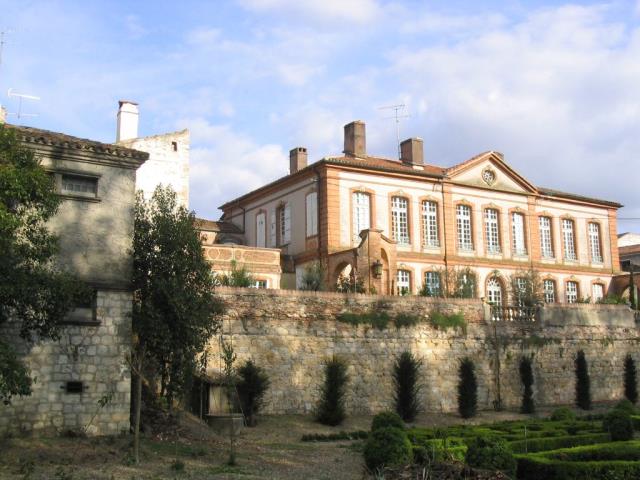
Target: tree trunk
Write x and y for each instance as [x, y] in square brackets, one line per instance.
[136, 431]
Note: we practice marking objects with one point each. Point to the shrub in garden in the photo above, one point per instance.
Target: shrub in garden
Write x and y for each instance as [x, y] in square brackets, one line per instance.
[406, 373]
[626, 406]
[630, 380]
[387, 447]
[491, 454]
[330, 409]
[583, 384]
[526, 375]
[467, 389]
[563, 414]
[252, 386]
[387, 419]
[618, 423]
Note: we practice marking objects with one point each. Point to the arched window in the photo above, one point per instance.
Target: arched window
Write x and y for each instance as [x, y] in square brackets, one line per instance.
[404, 282]
[494, 291]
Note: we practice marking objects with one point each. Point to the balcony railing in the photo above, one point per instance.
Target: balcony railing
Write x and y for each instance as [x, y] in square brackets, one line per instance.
[513, 313]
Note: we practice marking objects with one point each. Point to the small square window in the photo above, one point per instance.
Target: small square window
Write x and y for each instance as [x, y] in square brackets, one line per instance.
[174, 146]
[74, 387]
[78, 185]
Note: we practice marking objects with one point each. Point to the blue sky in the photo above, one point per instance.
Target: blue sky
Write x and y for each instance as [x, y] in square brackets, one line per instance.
[554, 86]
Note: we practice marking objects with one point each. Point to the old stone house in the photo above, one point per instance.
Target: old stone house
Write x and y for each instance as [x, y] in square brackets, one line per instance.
[397, 225]
[95, 228]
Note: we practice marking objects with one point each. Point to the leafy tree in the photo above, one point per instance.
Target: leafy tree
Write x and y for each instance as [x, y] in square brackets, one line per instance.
[330, 410]
[526, 287]
[252, 386]
[526, 375]
[34, 292]
[174, 310]
[583, 384]
[313, 277]
[467, 389]
[406, 373]
[630, 379]
[237, 277]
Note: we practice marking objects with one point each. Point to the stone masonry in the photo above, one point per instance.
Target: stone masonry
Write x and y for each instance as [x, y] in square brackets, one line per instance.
[291, 334]
[94, 355]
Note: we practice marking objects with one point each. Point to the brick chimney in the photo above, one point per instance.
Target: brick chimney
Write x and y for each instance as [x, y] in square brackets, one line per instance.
[3, 114]
[355, 140]
[412, 151]
[127, 120]
[297, 159]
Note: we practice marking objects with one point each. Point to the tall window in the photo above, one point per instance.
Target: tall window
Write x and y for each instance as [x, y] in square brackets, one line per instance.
[597, 292]
[494, 291]
[549, 291]
[546, 245]
[430, 224]
[568, 239]
[517, 231]
[432, 284]
[284, 224]
[594, 243]
[572, 292]
[520, 290]
[399, 220]
[361, 214]
[261, 230]
[492, 230]
[312, 214]
[463, 223]
[404, 282]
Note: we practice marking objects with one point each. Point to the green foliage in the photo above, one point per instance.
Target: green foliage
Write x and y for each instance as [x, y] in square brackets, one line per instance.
[445, 322]
[563, 414]
[455, 282]
[467, 389]
[619, 425]
[387, 419]
[406, 320]
[612, 300]
[526, 376]
[526, 287]
[350, 284]
[490, 454]
[626, 406]
[406, 382]
[531, 445]
[387, 447]
[332, 437]
[330, 409]
[630, 380]
[237, 277]
[252, 386]
[376, 319]
[313, 277]
[33, 291]
[583, 383]
[174, 310]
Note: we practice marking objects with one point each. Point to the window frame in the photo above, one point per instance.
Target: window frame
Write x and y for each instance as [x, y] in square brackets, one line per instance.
[426, 221]
[355, 235]
[460, 246]
[501, 287]
[264, 214]
[601, 285]
[409, 281]
[281, 224]
[435, 274]
[574, 245]
[542, 239]
[488, 224]
[58, 176]
[545, 292]
[599, 257]
[566, 291]
[400, 196]
[525, 247]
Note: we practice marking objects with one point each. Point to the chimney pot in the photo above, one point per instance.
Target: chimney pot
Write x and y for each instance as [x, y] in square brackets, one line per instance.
[355, 141]
[412, 151]
[127, 120]
[297, 159]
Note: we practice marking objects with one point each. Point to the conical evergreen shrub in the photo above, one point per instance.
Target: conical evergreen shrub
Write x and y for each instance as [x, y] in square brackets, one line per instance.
[467, 389]
[526, 375]
[330, 409]
[583, 384]
[630, 380]
[406, 381]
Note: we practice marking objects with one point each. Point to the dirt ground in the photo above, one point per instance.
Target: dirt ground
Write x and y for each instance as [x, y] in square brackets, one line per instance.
[272, 450]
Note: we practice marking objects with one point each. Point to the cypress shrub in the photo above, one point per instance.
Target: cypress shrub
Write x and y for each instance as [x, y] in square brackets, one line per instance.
[387, 447]
[630, 380]
[387, 419]
[491, 454]
[526, 375]
[406, 372]
[467, 389]
[583, 384]
[619, 425]
[252, 386]
[330, 409]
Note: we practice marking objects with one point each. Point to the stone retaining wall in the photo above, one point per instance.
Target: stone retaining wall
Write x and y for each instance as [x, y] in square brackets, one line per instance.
[291, 334]
[94, 355]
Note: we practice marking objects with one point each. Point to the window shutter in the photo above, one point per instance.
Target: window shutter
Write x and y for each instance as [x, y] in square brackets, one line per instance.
[312, 214]
[287, 223]
[260, 230]
[272, 230]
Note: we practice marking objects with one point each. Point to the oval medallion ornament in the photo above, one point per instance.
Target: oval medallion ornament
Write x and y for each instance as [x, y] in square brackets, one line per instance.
[489, 176]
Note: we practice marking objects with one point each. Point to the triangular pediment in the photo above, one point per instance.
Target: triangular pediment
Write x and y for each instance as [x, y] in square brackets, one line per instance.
[489, 170]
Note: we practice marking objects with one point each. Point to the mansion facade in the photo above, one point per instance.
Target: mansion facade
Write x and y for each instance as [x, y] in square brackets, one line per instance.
[398, 226]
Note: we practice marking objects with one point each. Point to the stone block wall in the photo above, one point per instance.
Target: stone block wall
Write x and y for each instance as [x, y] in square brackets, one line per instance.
[292, 333]
[92, 354]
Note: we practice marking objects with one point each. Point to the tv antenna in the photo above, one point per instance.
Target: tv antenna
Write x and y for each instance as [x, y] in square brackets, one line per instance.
[21, 96]
[398, 114]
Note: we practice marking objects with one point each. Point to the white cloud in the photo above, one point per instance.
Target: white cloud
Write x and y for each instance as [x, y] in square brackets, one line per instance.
[134, 27]
[296, 75]
[358, 11]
